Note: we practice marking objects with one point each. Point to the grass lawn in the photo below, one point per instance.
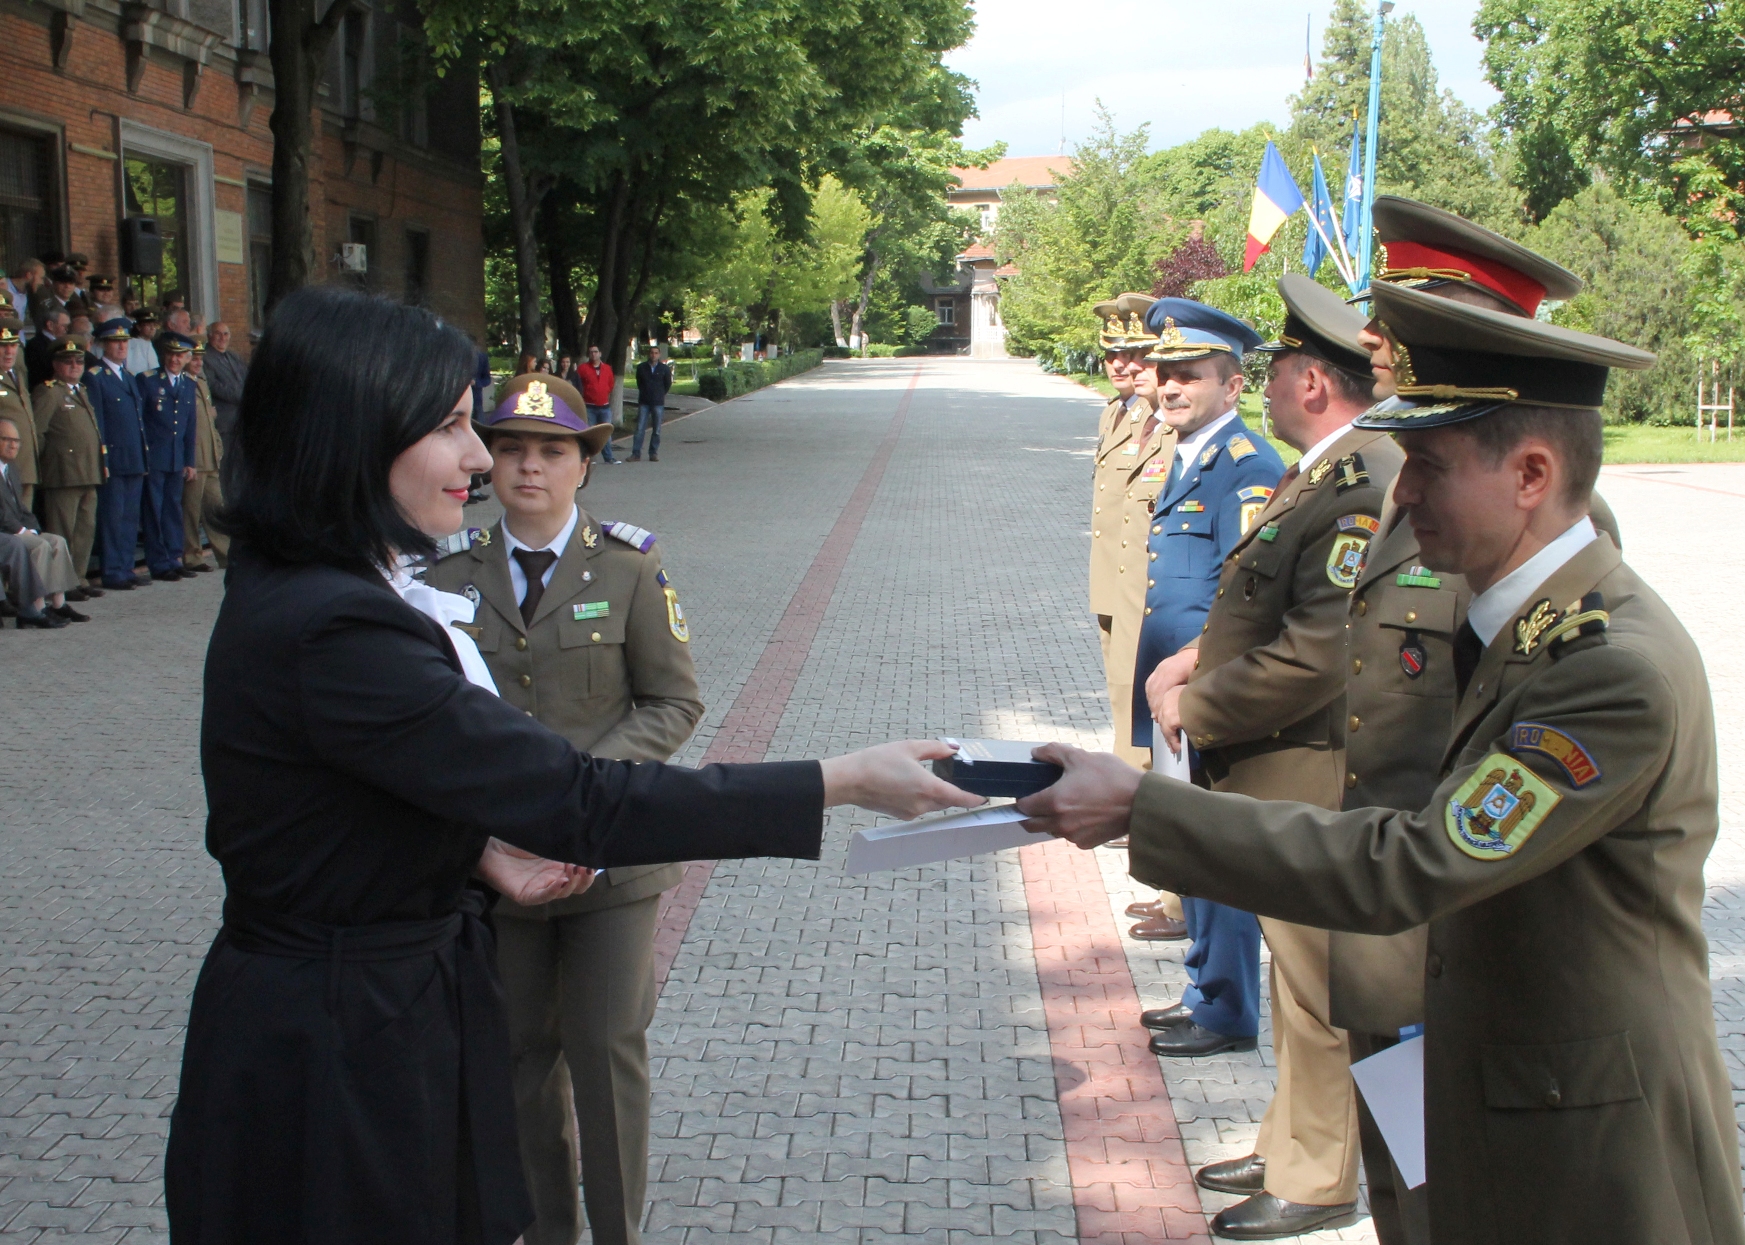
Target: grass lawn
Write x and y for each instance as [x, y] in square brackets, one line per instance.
[1625, 443]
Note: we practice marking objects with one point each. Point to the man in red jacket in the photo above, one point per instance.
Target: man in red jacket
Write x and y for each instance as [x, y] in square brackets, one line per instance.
[596, 380]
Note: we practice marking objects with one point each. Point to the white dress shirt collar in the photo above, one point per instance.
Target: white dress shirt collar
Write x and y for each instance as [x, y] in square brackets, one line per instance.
[1322, 446]
[1189, 447]
[1493, 607]
[560, 542]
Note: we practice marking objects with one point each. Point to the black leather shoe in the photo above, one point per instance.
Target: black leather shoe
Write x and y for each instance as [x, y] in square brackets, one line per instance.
[1241, 1176]
[1190, 1041]
[1264, 1217]
[1166, 1017]
[44, 621]
[197, 568]
[167, 577]
[67, 612]
[120, 585]
[1160, 929]
[91, 591]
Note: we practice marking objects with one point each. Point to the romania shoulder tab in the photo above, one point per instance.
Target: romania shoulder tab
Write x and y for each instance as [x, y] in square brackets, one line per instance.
[638, 538]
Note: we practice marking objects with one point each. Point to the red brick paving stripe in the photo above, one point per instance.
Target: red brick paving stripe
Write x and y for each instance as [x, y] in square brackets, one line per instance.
[745, 733]
[1130, 1177]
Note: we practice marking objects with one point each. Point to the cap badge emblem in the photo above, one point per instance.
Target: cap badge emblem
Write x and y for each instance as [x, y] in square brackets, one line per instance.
[1171, 335]
[536, 402]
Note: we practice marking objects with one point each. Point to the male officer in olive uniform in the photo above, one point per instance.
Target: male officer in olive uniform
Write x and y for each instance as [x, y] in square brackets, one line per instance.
[120, 407]
[170, 423]
[586, 634]
[70, 444]
[1124, 339]
[1573, 1086]
[201, 497]
[1400, 692]
[1218, 481]
[15, 405]
[1261, 699]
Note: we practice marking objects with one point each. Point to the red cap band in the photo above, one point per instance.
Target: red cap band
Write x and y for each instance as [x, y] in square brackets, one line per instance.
[1498, 278]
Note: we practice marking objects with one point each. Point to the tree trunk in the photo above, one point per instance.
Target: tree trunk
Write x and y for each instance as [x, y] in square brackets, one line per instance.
[565, 311]
[836, 321]
[300, 41]
[866, 284]
[523, 199]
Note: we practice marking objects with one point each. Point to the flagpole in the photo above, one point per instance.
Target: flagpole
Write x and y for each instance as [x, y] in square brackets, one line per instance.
[1344, 270]
[1366, 237]
[1337, 246]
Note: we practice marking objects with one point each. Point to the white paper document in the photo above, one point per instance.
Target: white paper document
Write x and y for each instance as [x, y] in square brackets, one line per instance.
[1170, 764]
[1392, 1084]
[927, 839]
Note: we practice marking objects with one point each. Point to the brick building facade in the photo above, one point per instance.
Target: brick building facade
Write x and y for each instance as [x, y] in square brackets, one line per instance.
[112, 110]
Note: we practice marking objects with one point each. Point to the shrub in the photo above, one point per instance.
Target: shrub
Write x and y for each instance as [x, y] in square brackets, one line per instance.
[721, 383]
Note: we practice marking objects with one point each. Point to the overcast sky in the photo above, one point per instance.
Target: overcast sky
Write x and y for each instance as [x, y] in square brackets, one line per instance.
[1182, 67]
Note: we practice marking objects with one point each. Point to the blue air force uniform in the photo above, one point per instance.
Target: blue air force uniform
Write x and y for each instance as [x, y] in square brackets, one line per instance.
[1206, 508]
[170, 418]
[120, 407]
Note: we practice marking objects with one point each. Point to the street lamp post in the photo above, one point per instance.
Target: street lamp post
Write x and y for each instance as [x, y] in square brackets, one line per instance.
[1366, 237]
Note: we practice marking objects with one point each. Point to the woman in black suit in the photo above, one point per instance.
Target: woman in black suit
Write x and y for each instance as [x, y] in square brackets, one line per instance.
[346, 1070]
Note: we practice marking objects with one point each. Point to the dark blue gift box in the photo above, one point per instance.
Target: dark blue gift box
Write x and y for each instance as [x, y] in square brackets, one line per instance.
[996, 767]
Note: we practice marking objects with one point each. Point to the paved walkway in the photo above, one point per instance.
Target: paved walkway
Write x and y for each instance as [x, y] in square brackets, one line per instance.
[874, 550]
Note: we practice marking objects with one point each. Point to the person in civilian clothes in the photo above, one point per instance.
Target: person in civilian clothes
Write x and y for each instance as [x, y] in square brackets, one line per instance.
[142, 356]
[43, 576]
[654, 380]
[224, 372]
[1219, 480]
[580, 627]
[70, 443]
[170, 424]
[15, 405]
[120, 406]
[201, 497]
[595, 379]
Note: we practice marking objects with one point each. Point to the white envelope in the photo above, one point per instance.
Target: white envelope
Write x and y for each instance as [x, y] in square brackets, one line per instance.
[948, 837]
[1392, 1084]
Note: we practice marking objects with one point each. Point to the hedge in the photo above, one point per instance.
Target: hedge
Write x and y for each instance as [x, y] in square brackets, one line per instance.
[720, 383]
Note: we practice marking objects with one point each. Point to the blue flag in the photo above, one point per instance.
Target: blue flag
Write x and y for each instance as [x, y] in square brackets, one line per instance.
[1319, 242]
[1352, 212]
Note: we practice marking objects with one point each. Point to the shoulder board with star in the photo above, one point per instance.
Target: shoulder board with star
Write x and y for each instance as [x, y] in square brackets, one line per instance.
[461, 541]
[638, 538]
[1240, 447]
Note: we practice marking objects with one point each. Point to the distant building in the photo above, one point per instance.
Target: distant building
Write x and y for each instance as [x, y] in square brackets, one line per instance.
[114, 112]
[968, 307]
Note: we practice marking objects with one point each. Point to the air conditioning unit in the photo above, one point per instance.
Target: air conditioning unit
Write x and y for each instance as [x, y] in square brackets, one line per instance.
[354, 257]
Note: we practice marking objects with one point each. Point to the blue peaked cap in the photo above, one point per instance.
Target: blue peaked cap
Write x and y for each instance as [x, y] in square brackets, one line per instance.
[115, 329]
[1187, 329]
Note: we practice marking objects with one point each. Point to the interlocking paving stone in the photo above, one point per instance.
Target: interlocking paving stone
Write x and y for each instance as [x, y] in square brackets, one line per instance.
[839, 1060]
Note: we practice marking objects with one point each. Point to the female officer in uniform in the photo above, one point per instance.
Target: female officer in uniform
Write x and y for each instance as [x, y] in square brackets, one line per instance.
[579, 627]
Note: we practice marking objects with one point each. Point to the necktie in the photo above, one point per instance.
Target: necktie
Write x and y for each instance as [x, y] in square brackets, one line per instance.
[1151, 422]
[534, 564]
[1468, 648]
[1175, 474]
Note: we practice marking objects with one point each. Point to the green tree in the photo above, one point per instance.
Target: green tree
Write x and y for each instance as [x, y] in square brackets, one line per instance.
[1608, 84]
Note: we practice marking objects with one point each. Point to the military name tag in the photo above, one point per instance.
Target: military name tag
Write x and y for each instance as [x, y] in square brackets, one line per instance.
[1497, 808]
[593, 609]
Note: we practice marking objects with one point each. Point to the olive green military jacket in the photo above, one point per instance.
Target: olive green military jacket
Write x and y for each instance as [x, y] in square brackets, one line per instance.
[1399, 699]
[1265, 706]
[1574, 1088]
[208, 452]
[1117, 428]
[69, 440]
[606, 664]
[15, 405]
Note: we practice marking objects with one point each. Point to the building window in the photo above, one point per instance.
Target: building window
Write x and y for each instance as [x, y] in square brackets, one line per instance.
[260, 253]
[946, 310]
[417, 266]
[354, 64]
[362, 231]
[159, 188]
[27, 223]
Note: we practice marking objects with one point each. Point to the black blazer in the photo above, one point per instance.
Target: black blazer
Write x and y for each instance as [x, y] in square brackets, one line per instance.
[347, 1019]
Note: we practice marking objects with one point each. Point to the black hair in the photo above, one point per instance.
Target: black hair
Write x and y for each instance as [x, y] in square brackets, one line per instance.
[1578, 437]
[340, 386]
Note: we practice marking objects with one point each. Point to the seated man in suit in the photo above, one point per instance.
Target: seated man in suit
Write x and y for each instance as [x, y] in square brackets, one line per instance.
[39, 594]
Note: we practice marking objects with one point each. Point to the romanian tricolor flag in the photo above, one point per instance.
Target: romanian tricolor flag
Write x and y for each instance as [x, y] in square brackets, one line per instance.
[1276, 198]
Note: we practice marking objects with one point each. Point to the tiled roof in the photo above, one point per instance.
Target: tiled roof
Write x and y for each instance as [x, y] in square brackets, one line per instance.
[1032, 171]
[977, 250]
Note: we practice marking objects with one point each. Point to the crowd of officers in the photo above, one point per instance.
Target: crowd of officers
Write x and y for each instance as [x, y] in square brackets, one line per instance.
[111, 439]
[1273, 632]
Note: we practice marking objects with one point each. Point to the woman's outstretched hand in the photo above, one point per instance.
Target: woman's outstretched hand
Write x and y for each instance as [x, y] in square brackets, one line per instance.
[530, 879]
[891, 779]
[1091, 803]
